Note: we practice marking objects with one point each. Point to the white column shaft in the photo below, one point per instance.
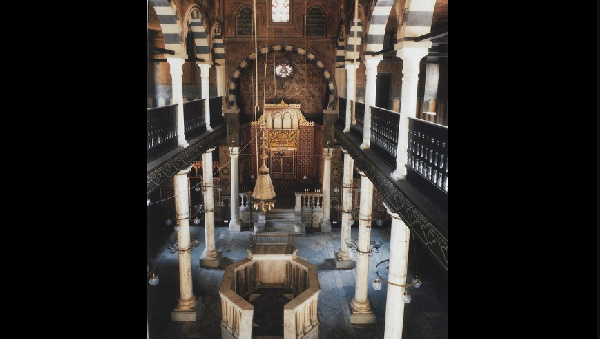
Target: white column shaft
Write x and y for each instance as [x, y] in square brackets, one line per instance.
[327, 183]
[361, 302]
[346, 203]
[209, 203]
[176, 69]
[220, 80]
[394, 306]
[182, 208]
[350, 94]
[370, 96]
[411, 57]
[234, 205]
[205, 93]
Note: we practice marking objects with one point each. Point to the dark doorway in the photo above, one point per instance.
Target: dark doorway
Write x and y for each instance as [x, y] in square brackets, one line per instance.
[384, 84]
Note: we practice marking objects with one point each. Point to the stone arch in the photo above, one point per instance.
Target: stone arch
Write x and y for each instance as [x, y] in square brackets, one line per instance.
[376, 30]
[169, 24]
[417, 17]
[234, 78]
[196, 24]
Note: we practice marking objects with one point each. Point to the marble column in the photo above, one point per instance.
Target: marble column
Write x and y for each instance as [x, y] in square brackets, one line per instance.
[235, 223]
[411, 58]
[360, 307]
[325, 221]
[187, 304]
[176, 69]
[221, 79]
[340, 81]
[343, 258]
[210, 256]
[432, 79]
[350, 94]
[205, 93]
[370, 96]
[394, 306]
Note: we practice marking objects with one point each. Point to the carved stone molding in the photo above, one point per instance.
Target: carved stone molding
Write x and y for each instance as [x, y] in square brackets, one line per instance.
[166, 170]
[422, 226]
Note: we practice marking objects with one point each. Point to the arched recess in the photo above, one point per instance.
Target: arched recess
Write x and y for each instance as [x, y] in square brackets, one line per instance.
[376, 30]
[354, 40]
[196, 23]
[218, 47]
[340, 54]
[247, 60]
[169, 23]
[417, 17]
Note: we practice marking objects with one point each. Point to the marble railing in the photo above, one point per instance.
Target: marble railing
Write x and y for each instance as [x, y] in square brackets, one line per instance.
[243, 277]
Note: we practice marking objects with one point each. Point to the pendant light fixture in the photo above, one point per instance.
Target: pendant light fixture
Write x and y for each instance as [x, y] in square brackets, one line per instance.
[264, 192]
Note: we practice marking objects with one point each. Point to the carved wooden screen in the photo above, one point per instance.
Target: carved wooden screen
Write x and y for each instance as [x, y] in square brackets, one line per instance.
[282, 164]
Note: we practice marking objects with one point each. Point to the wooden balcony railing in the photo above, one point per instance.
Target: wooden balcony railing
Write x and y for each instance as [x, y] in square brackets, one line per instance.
[359, 116]
[384, 134]
[162, 124]
[193, 117]
[427, 162]
[161, 131]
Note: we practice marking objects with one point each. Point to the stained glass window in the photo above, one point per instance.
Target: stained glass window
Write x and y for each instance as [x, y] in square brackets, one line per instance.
[280, 10]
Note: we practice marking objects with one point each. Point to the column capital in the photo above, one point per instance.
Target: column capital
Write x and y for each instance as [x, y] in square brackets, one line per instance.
[176, 63]
[392, 214]
[234, 150]
[411, 51]
[210, 149]
[203, 68]
[185, 171]
[351, 66]
[372, 59]
[362, 174]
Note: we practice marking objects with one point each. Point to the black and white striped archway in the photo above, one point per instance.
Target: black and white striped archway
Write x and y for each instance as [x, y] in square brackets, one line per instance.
[169, 24]
[232, 83]
[196, 24]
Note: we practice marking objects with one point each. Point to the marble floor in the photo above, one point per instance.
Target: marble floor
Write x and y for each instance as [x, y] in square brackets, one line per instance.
[426, 317]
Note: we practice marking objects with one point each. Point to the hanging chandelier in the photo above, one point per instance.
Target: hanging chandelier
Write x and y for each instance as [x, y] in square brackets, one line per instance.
[264, 192]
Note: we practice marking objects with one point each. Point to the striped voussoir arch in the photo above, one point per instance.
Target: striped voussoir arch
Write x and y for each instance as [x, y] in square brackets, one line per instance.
[218, 45]
[340, 54]
[353, 46]
[233, 80]
[417, 19]
[379, 18]
[169, 24]
[196, 25]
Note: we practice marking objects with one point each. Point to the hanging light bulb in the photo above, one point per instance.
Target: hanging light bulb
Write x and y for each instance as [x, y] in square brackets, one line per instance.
[376, 284]
[350, 222]
[197, 189]
[196, 220]
[416, 281]
[406, 297]
[168, 222]
[177, 228]
[153, 280]
[379, 222]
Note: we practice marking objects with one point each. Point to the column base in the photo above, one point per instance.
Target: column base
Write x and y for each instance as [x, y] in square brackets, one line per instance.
[365, 145]
[235, 225]
[299, 228]
[326, 226]
[210, 262]
[187, 314]
[344, 264]
[361, 318]
[396, 175]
